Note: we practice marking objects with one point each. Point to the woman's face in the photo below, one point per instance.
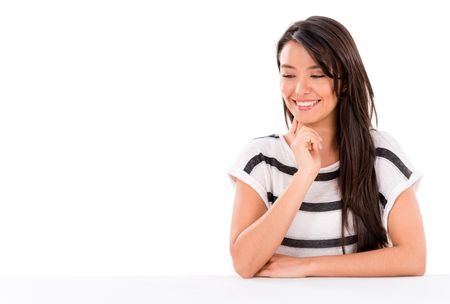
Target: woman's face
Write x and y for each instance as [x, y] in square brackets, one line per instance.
[307, 92]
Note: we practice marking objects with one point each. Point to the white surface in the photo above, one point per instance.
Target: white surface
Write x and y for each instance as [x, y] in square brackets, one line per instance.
[223, 289]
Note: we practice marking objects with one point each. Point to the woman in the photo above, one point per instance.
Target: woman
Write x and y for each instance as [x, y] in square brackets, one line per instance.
[333, 196]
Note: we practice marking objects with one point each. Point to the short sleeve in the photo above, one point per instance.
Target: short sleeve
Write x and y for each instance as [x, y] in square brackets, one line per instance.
[395, 172]
[249, 166]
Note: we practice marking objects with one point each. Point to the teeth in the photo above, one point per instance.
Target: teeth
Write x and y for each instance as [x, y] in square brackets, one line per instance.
[306, 103]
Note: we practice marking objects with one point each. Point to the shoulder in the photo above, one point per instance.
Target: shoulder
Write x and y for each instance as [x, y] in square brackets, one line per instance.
[389, 151]
[265, 145]
[267, 140]
[270, 151]
[383, 139]
[252, 165]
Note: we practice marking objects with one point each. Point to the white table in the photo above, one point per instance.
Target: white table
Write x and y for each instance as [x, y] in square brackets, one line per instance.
[223, 289]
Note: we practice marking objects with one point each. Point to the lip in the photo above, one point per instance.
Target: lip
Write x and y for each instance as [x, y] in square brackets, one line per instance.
[306, 100]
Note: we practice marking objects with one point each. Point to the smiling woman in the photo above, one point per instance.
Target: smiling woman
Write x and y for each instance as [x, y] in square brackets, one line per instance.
[304, 86]
[333, 196]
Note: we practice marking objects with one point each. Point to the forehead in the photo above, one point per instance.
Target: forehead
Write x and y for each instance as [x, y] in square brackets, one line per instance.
[294, 54]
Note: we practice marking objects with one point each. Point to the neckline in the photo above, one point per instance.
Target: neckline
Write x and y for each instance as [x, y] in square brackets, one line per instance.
[288, 149]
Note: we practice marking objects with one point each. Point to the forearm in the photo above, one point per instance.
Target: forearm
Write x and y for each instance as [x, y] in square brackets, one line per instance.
[385, 262]
[258, 242]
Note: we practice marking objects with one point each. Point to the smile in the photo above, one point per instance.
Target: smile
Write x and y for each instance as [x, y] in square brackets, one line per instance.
[306, 105]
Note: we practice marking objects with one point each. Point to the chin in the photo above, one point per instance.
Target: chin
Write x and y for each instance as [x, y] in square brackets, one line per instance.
[306, 121]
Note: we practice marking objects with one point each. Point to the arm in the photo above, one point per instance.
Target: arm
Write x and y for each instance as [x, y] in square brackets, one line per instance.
[406, 257]
[254, 237]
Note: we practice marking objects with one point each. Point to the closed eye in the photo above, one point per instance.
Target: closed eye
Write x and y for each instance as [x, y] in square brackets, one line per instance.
[312, 76]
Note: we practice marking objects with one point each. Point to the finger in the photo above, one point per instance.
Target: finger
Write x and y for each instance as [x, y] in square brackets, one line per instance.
[293, 128]
[315, 132]
[312, 142]
[261, 271]
[261, 274]
[317, 146]
[299, 127]
[309, 135]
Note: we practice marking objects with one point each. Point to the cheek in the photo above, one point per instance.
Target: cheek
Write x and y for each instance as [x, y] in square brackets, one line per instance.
[324, 90]
[286, 88]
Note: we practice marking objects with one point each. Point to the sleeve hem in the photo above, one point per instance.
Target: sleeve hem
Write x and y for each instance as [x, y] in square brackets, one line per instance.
[251, 182]
[414, 180]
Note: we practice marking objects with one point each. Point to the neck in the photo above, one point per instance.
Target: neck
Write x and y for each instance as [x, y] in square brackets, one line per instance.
[330, 151]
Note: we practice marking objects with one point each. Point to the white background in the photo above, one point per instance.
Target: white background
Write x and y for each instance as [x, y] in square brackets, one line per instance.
[119, 120]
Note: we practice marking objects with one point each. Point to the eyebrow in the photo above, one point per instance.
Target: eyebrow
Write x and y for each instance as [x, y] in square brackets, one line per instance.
[313, 67]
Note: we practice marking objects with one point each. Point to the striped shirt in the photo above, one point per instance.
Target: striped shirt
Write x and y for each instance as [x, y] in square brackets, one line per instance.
[267, 164]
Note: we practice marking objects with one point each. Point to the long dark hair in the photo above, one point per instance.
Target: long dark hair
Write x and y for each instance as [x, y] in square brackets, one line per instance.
[332, 47]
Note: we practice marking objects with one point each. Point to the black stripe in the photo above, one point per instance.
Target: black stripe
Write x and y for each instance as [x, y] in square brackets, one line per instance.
[389, 155]
[383, 200]
[257, 159]
[312, 207]
[271, 198]
[323, 177]
[322, 206]
[319, 243]
[271, 135]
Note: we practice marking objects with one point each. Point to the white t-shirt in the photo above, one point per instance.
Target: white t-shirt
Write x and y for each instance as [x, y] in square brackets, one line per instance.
[267, 164]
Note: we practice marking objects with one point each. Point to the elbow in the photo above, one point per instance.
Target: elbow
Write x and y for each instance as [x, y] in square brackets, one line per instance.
[418, 271]
[422, 262]
[244, 273]
[421, 267]
[241, 267]
[418, 263]
[421, 273]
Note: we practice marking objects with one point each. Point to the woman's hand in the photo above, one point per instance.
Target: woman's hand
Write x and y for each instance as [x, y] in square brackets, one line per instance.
[305, 143]
[284, 266]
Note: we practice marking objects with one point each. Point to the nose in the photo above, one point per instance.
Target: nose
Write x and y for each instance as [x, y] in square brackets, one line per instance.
[302, 86]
